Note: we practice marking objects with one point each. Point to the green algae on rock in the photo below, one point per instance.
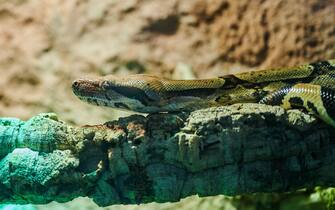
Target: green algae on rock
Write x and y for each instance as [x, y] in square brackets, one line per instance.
[42, 133]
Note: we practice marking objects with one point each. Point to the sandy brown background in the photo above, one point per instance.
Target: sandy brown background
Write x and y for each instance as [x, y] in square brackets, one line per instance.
[46, 44]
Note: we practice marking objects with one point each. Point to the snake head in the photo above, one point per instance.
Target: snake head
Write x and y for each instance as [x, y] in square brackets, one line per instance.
[139, 93]
[87, 89]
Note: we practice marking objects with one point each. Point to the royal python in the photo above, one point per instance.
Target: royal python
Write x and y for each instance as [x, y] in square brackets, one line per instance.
[310, 86]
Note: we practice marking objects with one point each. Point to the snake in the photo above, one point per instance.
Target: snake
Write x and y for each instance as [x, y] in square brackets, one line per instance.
[310, 87]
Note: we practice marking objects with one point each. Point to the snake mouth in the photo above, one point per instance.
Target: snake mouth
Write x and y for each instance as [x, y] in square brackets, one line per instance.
[95, 101]
[115, 104]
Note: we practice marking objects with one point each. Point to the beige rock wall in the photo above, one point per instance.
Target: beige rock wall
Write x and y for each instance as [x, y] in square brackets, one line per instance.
[46, 44]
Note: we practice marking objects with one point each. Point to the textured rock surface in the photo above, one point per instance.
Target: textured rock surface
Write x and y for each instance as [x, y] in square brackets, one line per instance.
[42, 133]
[243, 148]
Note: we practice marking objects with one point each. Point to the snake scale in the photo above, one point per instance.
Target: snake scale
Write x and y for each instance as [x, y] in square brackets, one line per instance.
[310, 87]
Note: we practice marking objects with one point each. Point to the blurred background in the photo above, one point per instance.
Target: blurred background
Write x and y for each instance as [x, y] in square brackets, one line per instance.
[45, 45]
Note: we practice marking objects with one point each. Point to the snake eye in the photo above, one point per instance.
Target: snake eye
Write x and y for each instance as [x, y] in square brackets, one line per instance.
[104, 85]
[75, 84]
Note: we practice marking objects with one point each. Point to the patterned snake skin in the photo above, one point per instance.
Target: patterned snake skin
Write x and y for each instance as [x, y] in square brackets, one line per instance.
[310, 86]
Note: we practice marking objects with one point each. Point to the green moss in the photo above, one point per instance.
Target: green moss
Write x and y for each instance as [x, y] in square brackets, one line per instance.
[325, 195]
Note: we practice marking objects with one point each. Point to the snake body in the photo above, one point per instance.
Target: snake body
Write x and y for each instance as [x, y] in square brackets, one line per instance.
[309, 86]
